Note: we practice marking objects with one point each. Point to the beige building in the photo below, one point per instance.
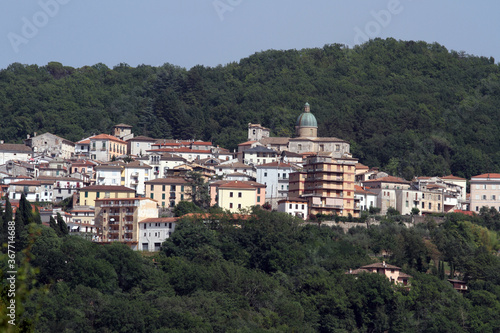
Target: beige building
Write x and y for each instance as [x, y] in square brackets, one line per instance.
[123, 132]
[485, 191]
[117, 219]
[138, 145]
[168, 191]
[393, 273]
[88, 195]
[104, 147]
[327, 184]
[235, 195]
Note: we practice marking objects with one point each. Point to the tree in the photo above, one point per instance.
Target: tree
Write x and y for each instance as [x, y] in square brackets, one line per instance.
[199, 189]
[63, 227]
[54, 226]
[186, 207]
[415, 211]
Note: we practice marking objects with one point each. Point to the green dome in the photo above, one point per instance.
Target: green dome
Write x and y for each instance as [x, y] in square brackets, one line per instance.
[306, 119]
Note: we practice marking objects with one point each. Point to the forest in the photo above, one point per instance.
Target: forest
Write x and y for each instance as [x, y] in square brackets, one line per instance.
[410, 108]
[267, 273]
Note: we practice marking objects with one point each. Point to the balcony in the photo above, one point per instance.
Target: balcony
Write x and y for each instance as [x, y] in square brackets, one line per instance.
[134, 174]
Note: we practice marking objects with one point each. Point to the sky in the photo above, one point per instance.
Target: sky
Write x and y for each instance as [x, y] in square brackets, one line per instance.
[186, 33]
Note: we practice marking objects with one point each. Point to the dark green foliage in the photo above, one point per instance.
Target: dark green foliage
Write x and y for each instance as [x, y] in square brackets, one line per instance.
[411, 108]
[63, 227]
[186, 207]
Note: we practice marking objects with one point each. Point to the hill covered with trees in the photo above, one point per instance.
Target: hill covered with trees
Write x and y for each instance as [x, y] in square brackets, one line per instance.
[411, 108]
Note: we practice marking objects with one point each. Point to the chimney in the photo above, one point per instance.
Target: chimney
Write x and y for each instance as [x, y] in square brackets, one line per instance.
[383, 263]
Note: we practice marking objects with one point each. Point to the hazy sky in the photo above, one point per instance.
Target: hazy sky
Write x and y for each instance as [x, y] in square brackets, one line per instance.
[212, 32]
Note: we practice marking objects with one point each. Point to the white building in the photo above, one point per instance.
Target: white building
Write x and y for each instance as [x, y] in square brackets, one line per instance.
[154, 231]
[51, 145]
[139, 145]
[275, 176]
[109, 174]
[364, 199]
[230, 167]
[294, 206]
[135, 174]
[14, 152]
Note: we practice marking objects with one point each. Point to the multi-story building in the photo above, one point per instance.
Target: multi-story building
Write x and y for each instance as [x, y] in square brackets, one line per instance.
[154, 231]
[161, 162]
[385, 188]
[117, 219]
[230, 167]
[82, 148]
[235, 195]
[51, 145]
[135, 174]
[138, 145]
[275, 176]
[33, 190]
[88, 195]
[364, 199]
[104, 147]
[169, 191]
[327, 184]
[123, 132]
[109, 174]
[259, 155]
[63, 187]
[485, 191]
[83, 219]
[14, 152]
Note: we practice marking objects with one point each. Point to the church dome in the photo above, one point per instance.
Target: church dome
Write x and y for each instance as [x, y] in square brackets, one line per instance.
[306, 118]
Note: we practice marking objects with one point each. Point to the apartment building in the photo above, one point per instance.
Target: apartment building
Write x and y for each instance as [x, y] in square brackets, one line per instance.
[89, 194]
[169, 191]
[117, 219]
[154, 231]
[485, 191]
[104, 147]
[235, 195]
[327, 184]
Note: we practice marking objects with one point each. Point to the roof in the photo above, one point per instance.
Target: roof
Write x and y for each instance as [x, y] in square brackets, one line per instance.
[260, 149]
[292, 200]
[359, 189]
[306, 119]
[60, 179]
[275, 140]
[275, 164]
[15, 148]
[114, 165]
[381, 265]
[388, 179]
[160, 220]
[142, 138]
[110, 188]
[85, 141]
[179, 150]
[107, 137]
[208, 215]
[248, 143]
[168, 180]
[123, 125]
[234, 165]
[319, 139]
[487, 175]
[236, 184]
[137, 164]
[451, 177]
[27, 183]
[360, 166]
[357, 271]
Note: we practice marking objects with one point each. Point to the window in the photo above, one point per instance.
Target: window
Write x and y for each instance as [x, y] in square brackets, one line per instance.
[302, 206]
[239, 194]
[86, 194]
[152, 195]
[258, 191]
[172, 187]
[265, 174]
[484, 197]
[430, 205]
[163, 187]
[337, 147]
[296, 206]
[182, 188]
[230, 205]
[439, 206]
[290, 206]
[163, 196]
[493, 197]
[239, 205]
[152, 187]
[97, 195]
[230, 194]
[258, 199]
[423, 205]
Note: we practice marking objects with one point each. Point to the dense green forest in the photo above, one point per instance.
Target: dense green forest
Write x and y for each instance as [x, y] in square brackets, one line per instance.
[269, 274]
[412, 108]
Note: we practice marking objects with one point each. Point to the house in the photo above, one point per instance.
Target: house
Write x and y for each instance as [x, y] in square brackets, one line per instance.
[89, 194]
[14, 152]
[485, 191]
[161, 162]
[235, 167]
[138, 145]
[135, 174]
[169, 191]
[235, 195]
[117, 219]
[294, 206]
[82, 148]
[385, 188]
[63, 187]
[154, 231]
[364, 199]
[275, 176]
[109, 174]
[104, 147]
[33, 190]
[327, 184]
[259, 155]
[83, 220]
[51, 145]
[187, 153]
[393, 273]
[459, 285]
[56, 167]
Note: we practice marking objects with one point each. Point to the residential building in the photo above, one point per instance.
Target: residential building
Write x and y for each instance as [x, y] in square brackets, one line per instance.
[56, 167]
[89, 194]
[169, 191]
[294, 206]
[235, 195]
[275, 176]
[104, 147]
[327, 184]
[154, 231]
[385, 188]
[14, 152]
[485, 191]
[135, 174]
[33, 190]
[259, 155]
[364, 199]
[235, 167]
[187, 153]
[393, 273]
[109, 174]
[82, 148]
[83, 218]
[51, 145]
[63, 187]
[117, 219]
[139, 145]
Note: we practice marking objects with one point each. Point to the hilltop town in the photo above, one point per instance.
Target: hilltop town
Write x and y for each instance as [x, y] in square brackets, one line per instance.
[125, 188]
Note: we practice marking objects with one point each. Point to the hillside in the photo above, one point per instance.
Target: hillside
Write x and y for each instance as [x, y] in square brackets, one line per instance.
[412, 108]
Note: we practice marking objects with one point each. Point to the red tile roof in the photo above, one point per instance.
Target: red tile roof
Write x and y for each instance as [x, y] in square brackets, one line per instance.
[452, 177]
[107, 137]
[160, 220]
[388, 179]
[110, 188]
[487, 175]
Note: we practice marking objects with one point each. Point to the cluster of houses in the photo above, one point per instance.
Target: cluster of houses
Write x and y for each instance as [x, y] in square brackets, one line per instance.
[123, 187]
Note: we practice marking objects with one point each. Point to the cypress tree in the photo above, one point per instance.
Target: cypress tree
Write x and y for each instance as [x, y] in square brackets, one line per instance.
[53, 225]
[25, 210]
[7, 213]
[36, 216]
[63, 227]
